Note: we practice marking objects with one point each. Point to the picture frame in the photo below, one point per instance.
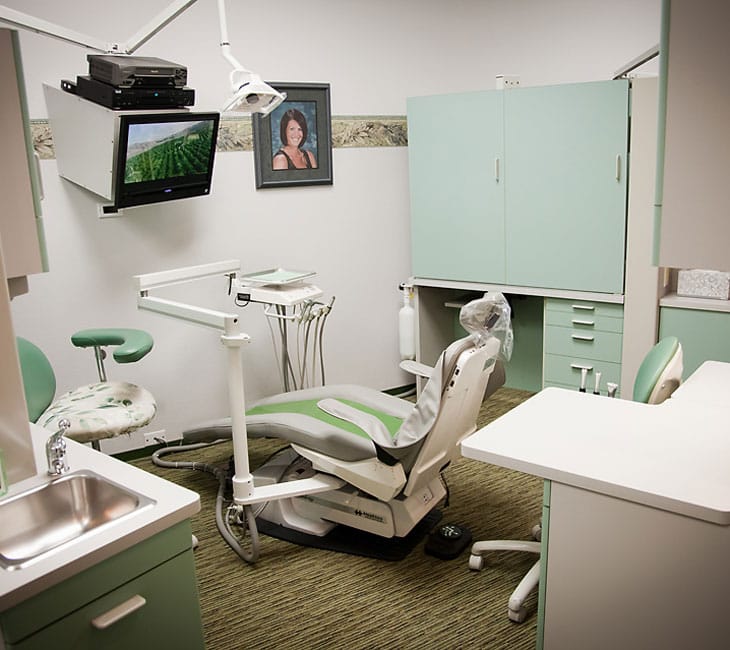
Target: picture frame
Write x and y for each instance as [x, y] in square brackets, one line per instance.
[284, 164]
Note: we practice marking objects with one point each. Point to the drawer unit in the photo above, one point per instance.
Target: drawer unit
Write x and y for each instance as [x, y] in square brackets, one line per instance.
[582, 334]
[572, 342]
[585, 320]
[565, 371]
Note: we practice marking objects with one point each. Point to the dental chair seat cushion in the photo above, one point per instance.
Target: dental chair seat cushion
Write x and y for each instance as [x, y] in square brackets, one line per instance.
[297, 417]
[101, 410]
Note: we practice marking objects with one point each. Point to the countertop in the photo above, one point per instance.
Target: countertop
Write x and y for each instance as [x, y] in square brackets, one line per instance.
[674, 456]
[173, 504]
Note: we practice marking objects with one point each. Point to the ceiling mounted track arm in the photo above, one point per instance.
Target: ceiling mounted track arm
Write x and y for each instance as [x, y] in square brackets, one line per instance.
[640, 60]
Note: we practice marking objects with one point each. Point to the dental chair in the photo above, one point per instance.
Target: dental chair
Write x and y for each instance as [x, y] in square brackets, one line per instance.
[103, 409]
[388, 452]
[659, 375]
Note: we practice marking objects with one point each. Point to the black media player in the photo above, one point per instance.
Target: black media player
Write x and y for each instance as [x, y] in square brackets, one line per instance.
[135, 97]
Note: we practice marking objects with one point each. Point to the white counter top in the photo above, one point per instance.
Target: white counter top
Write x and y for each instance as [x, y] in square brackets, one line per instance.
[173, 504]
[674, 456]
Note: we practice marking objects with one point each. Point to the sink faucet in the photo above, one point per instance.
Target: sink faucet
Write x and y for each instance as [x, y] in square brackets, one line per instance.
[56, 450]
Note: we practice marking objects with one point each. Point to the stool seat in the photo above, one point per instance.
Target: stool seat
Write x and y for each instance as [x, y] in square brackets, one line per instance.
[101, 410]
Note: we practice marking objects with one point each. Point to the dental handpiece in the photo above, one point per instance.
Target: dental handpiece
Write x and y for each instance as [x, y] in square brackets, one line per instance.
[583, 376]
[597, 385]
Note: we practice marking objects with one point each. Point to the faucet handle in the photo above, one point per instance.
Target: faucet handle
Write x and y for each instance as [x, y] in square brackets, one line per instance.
[56, 449]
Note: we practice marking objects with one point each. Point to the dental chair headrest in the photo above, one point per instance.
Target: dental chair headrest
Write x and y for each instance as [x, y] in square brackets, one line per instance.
[489, 316]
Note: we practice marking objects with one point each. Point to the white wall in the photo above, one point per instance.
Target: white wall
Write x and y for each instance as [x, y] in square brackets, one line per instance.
[355, 234]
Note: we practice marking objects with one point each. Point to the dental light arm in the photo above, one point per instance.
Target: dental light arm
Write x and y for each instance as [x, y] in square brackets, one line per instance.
[232, 337]
[250, 93]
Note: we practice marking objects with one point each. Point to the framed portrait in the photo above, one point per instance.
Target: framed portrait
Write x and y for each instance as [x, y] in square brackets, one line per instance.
[293, 144]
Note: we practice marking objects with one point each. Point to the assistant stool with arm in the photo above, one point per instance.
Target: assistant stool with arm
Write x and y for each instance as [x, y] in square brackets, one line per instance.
[659, 375]
[96, 411]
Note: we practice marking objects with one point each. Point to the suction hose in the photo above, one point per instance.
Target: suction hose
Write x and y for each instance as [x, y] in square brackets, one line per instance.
[220, 521]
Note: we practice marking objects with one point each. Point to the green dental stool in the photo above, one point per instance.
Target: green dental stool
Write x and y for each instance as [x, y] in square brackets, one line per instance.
[96, 411]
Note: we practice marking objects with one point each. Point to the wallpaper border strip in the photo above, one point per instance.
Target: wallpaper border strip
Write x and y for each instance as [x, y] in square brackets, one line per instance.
[235, 134]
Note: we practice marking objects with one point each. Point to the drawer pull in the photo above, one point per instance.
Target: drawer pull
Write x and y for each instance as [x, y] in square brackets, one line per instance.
[584, 307]
[578, 366]
[577, 321]
[579, 337]
[117, 613]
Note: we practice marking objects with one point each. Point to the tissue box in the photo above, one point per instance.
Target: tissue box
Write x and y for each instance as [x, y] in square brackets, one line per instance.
[699, 283]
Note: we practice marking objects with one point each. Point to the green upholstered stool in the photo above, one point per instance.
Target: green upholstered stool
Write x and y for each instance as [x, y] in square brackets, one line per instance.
[99, 410]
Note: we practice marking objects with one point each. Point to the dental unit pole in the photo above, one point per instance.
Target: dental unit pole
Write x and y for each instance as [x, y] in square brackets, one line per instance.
[245, 493]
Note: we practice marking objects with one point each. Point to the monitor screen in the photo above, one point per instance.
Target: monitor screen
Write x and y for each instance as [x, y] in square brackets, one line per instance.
[164, 156]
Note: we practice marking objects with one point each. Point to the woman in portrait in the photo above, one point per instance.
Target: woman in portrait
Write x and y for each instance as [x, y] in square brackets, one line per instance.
[293, 132]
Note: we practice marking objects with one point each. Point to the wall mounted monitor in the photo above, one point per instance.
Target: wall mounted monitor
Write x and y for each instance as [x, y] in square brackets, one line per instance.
[164, 156]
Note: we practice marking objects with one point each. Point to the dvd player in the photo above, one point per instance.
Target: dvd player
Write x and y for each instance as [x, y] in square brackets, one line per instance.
[138, 97]
[122, 70]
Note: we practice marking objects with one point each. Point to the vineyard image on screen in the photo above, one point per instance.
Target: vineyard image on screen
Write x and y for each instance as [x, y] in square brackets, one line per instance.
[167, 149]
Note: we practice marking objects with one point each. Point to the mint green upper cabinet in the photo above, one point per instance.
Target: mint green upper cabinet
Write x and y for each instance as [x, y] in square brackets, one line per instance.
[565, 185]
[457, 204]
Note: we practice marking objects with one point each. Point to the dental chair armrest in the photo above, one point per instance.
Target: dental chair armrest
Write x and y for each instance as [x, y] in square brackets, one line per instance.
[416, 368]
[132, 344]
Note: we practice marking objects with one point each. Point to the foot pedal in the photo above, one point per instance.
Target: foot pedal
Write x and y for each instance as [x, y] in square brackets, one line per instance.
[448, 541]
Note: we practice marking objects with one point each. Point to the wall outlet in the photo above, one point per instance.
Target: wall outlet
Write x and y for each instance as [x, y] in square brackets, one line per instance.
[158, 437]
[505, 81]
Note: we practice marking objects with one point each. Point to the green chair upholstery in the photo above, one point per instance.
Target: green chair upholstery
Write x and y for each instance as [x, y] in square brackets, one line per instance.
[660, 373]
[131, 344]
[39, 380]
[99, 410]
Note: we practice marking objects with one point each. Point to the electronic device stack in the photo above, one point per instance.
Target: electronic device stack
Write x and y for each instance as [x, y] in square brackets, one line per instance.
[123, 82]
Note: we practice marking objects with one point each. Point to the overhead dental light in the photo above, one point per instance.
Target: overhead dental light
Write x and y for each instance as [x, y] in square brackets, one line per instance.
[250, 93]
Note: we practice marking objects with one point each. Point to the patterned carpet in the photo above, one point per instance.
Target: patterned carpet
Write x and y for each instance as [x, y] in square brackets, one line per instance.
[302, 598]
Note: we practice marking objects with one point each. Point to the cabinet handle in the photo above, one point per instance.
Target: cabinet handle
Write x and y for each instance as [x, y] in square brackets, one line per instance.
[578, 337]
[618, 167]
[583, 322]
[117, 613]
[578, 366]
[584, 307]
[496, 169]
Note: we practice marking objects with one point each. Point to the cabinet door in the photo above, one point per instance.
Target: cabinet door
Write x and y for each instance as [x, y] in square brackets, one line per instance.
[695, 50]
[454, 146]
[20, 230]
[565, 185]
[703, 335]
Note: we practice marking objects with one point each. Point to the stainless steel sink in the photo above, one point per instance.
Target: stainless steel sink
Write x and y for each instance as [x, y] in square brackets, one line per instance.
[47, 518]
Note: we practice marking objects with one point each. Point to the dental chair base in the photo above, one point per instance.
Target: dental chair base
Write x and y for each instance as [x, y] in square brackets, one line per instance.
[319, 514]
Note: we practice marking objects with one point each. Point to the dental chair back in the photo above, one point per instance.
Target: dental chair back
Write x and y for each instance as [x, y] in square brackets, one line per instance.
[460, 403]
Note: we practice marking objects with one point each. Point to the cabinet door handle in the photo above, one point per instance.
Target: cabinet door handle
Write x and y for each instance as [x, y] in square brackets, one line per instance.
[496, 169]
[578, 337]
[618, 167]
[578, 366]
[584, 307]
[577, 321]
[117, 613]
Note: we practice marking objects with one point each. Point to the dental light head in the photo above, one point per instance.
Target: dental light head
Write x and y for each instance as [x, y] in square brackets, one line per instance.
[251, 94]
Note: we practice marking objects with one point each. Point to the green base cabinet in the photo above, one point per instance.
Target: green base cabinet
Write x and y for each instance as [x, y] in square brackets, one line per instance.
[582, 334]
[704, 335]
[154, 581]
